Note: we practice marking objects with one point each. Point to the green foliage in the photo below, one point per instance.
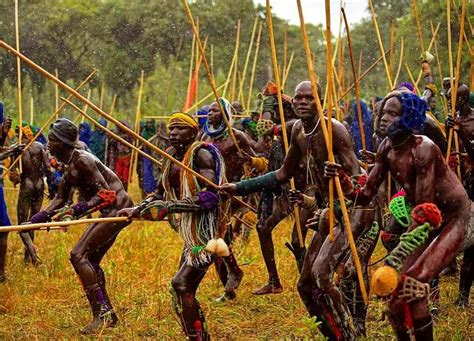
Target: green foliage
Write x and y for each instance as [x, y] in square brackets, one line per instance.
[120, 38]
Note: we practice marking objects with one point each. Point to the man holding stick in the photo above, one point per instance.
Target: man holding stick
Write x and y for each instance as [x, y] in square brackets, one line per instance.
[316, 285]
[101, 191]
[202, 222]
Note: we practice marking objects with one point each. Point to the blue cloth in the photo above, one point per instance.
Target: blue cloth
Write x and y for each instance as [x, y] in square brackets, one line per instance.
[149, 181]
[367, 124]
[85, 133]
[4, 219]
[97, 141]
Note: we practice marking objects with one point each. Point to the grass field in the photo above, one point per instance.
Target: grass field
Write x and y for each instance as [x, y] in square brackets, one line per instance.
[48, 302]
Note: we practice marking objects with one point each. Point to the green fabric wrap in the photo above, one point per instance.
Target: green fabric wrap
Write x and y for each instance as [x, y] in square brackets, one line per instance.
[267, 182]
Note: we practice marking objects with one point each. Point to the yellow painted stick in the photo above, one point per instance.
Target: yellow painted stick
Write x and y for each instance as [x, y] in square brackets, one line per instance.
[48, 121]
[287, 70]
[197, 104]
[32, 109]
[418, 27]
[133, 156]
[236, 63]
[79, 116]
[210, 76]
[18, 72]
[254, 66]
[356, 85]
[282, 113]
[27, 227]
[102, 94]
[56, 91]
[323, 125]
[455, 84]
[112, 119]
[382, 51]
[392, 46]
[400, 60]
[440, 74]
[247, 58]
[410, 75]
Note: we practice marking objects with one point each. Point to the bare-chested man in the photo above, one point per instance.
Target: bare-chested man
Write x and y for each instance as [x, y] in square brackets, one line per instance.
[464, 126]
[316, 285]
[35, 167]
[202, 217]
[101, 191]
[418, 166]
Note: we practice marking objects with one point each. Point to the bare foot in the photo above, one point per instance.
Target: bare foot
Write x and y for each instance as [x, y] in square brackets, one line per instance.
[228, 296]
[269, 289]
[106, 320]
[234, 278]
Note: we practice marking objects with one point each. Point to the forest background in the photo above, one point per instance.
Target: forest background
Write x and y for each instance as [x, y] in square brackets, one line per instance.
[120, 38]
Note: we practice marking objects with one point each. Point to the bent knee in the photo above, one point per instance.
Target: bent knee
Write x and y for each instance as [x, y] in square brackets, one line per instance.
[179, 286]
[77, 257]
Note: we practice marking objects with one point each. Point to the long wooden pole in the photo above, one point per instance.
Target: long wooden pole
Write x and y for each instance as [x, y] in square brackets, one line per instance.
[27, 227]
[111, 111]
[133, 156]
[32, 109]
[282, 113]
[191, 63]
[18, 72]
[440, 74]
[433, 39]
[400, 60]
[48, 121]
[202, 100]
[236, 63]
[455, 83]
[287, 70]
[210, 77]
[356, 84]
[254, 66]
[322, 119]
[418, 27]
[56, 91]
[382, 50]
[247, 59]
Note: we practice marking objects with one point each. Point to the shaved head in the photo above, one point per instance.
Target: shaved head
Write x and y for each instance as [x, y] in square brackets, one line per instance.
[305, 86]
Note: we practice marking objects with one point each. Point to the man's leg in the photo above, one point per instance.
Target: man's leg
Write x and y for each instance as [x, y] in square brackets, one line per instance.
[23, 214]
[466, 277]
[85, 258]
[183, 289]
[422, 268]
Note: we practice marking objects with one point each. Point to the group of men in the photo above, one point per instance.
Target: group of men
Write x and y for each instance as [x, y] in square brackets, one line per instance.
[213, 171]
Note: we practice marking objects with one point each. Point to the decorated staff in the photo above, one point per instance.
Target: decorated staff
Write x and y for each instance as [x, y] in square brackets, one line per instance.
[324, 128]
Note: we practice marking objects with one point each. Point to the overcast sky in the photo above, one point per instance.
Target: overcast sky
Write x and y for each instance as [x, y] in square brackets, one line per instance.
[314, 11]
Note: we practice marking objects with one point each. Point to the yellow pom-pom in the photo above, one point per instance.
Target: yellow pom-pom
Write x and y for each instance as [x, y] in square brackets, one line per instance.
[384, 281]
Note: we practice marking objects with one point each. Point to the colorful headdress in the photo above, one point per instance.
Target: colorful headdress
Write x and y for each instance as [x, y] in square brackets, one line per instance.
[413, 111]
[179, 119]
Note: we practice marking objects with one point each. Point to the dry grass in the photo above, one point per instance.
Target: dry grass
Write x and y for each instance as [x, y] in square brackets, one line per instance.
[48, 302]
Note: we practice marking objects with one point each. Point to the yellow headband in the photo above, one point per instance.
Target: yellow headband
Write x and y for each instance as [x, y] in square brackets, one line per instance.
[181, 119]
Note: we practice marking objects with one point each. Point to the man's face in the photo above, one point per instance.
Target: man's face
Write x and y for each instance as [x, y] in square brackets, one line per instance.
[432, 103]
[55, 146]
[214, 115]
[304, 102]
[181, 136]
[149, 124]
[391, 113]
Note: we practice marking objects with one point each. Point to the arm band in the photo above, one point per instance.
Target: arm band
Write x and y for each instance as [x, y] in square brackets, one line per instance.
[267, 182]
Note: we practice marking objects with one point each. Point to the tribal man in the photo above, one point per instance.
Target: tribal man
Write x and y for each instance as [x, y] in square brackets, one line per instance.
[35, 166]
[202, 219]
[316, 285]
[464, 126]
[101, 191]
[418, 166]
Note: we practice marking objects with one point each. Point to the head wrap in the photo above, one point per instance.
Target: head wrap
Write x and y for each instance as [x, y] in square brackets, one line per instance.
[179, 119]
[228, 110]
[202, 115]
[65, 131]
[85, 134]
[413, 111]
